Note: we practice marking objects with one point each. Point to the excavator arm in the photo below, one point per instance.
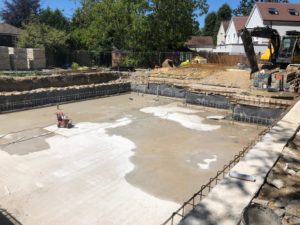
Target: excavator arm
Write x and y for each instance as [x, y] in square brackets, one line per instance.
[261, 32]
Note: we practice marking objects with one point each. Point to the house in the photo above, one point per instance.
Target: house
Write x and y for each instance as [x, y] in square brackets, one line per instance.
[280, 16]
[8, 35]
[233, 43]
[200, 43]
[221, 37]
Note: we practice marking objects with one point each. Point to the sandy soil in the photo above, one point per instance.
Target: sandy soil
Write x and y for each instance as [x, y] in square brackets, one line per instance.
[209, 74]
[129, 160]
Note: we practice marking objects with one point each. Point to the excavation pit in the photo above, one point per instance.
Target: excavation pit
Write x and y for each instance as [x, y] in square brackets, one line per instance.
[130, 159]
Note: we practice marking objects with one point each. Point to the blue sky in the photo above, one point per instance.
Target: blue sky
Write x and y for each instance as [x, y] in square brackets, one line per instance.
[68, 6]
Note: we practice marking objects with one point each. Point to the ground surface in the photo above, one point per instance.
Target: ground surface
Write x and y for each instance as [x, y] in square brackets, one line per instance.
[129, 160]
[211, 75]
[285, 201]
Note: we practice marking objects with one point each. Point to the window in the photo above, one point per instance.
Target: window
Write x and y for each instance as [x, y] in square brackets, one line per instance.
[273, 11]
[294, 12]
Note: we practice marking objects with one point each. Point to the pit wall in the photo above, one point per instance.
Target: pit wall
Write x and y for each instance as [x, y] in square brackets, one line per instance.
[240, 112]
[11, 101]
[10, 84]
[42, 97]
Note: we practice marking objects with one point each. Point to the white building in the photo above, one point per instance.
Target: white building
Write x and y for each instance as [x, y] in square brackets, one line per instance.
[221, 37]
[233, 43]
[279, 16]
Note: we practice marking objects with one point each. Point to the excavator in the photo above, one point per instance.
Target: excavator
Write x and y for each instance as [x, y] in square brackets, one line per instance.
[284, 52]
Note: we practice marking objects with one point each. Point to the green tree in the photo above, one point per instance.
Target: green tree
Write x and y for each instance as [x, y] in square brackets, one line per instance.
[210, 24]
[245, 6]
[224, 13]
[39, 35]
[173, 22]
[135, 25]
[110, 24]
[16, 12]
[54, 18]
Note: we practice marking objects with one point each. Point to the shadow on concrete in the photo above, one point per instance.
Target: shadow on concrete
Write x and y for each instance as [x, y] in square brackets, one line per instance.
[7, 219]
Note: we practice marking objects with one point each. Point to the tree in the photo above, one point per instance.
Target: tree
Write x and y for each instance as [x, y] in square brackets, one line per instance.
[210, 24]
[16, 12]
[173, 22]
[39, 35]
[245, 7]
[224, 13]
[54, 18]
[136, 25]
[109, 25]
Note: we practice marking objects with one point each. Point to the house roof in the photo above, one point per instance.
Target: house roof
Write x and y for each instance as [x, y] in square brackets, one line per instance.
[283, 11]
[239, 22]
[200, 41]
[7, 29]
[225, 25]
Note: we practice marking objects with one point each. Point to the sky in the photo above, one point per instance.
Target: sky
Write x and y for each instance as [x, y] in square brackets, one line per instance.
[69, 6]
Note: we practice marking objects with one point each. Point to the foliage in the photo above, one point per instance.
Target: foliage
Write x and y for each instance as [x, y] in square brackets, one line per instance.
[39, 35]
[131, 60]
[245, 6]
[224, 13]
[54, 18]
[16, 12]
[210, 24]
[135, 25]
[75, 66]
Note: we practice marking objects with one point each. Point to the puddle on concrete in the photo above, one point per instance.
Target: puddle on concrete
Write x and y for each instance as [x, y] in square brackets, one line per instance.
[25, 142]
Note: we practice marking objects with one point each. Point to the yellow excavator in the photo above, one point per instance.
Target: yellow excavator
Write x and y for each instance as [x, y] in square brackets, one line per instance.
[283, 51]
[283, 54]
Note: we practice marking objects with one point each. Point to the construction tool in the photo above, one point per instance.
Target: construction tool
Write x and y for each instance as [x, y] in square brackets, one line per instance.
[63, 121]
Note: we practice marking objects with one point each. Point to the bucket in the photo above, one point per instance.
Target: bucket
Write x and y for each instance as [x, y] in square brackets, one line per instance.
[256, 214]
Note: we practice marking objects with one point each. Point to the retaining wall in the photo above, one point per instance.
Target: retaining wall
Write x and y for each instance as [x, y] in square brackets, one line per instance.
[36, 98]
[240, 112]
[28, 99]
[9, 84]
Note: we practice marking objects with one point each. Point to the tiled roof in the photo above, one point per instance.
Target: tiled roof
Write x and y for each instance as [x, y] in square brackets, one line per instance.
[200, 41]
[8, 29]
[283, 11]
[239, 22]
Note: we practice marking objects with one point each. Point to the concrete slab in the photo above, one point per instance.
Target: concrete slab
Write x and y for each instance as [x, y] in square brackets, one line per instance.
[225, 203]
[118, 165]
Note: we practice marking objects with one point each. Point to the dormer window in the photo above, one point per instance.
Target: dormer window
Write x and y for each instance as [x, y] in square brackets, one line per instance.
[294, 12]
[273, 11]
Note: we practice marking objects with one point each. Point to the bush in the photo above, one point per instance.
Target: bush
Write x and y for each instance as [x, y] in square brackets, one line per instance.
[130, 61]
[75, 66]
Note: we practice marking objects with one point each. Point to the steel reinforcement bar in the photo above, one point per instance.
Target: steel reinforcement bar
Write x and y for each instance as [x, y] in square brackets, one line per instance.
[191, 203]
[63, 96]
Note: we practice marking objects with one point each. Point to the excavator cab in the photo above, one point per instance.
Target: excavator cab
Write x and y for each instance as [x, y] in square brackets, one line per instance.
[285, 51]
[289, 52]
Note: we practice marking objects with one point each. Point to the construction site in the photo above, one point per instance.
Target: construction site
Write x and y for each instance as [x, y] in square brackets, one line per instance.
[161, 146]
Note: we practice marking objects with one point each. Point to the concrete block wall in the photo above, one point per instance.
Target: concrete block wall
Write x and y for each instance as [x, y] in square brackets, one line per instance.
[19, 58]
[36, 58]
[4, 58]
[22, 58]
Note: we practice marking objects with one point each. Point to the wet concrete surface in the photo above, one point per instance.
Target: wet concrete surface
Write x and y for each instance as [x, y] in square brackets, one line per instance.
[170, 161]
